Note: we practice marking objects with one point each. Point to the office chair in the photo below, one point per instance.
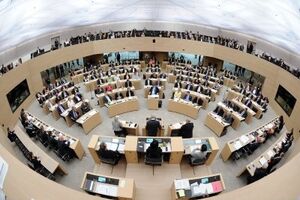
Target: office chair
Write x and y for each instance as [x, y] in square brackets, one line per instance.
[153, 162]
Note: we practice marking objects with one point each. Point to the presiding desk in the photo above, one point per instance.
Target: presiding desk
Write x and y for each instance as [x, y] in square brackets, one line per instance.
[216, 124]
[109, 187]
[198, 187]
[238, 143]
[49, 163]
[212, 147]
[124, 105]
[75, 143]
[184, 107]
[171, 146]
[112, 143]
[89, 120]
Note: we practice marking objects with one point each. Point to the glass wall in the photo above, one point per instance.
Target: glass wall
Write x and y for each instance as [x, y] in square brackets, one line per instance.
[125, 55]
[195, 59]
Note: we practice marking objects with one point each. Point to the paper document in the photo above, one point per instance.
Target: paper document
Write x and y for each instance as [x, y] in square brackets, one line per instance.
[198, 141]
[176, 126]
[237, 145]
[262, 161]
[182, 184]
[270, 153]
[112, 146]
[115, 140]
[244, 139]
[121, 148]
[106, 189]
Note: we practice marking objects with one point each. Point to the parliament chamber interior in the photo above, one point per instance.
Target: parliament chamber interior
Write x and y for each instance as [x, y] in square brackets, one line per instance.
[149, 100]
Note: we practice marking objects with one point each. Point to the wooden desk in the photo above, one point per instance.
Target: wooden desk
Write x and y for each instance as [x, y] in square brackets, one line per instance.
[212, 147]
[176, 148]
[147, 89]
[66, 116]
[121, 188]
[216, 124]
[152, 102]
[123, 106]
[194, 94]
[259, 161]
[130, 127]
[241, 141]
[75, 143]
[229, 82]
[250, 113]
[211, 185]
[112, 94]
[231, 94]
[183, 107]
[113, 143]
[237, 118]
[49, 163]
[89, 120]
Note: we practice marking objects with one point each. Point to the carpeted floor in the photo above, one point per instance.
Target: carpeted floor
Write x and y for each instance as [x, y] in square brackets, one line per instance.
[76, 168]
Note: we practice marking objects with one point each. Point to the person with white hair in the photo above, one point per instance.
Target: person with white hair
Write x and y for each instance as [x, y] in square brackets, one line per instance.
[117, 127]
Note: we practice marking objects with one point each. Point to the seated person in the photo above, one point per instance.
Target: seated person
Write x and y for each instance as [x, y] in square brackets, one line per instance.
[129, 92]
[11, 135]
[244, 113]
[198, 101]
[42, 135]
[219, 111]
[153, 126]
[106, 154]
[107, 99]
[64, 94]
[99, 90]
[186, 130]
[109, 88]
[178, 84]
[110, 79]
[148, 82]
[177, 94]
[199, 155]
[35, 161]
[163, 76]
[228, 118]
[118, 95]
[281, 124]
[85, 107]
[128, 83]
[199, 89]
[100, 81]
[74, 115]
[154, 151]
[248, 102]
[187, 97]
[189, 86]
[77, 97]
[70, 102]
[258, 174]
[117, 127]
[154, 90]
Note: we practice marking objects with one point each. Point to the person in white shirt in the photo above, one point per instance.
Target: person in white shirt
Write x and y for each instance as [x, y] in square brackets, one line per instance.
[70, 102]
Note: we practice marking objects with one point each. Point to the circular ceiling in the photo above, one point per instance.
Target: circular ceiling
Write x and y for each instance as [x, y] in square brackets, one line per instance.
[276, 21]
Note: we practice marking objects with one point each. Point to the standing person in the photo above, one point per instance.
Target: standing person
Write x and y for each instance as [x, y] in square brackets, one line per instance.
[117, 127]
[153, 126]
[186, 130]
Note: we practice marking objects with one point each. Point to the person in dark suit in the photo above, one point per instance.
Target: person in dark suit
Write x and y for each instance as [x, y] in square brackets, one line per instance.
[11, 135]
[153, 126]
[77, 97]
[178, 84]
[154, 90]
[60, 108]
[281, 124]
[219, 111]
[107, 99]
[198, 89]
[128, 83]
[119, 95]
[198, 101]
[244, 113]
[148, 82]
[74, 115]
[248, 102]
[189, 86]
[129, 93]
[154, 151]
[85, 107]
[99, 90]
[186, 130]
[187, 97]
[104, 153]
[228, 118]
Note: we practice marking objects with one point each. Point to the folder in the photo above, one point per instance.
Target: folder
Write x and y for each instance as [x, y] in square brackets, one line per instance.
[217, 186]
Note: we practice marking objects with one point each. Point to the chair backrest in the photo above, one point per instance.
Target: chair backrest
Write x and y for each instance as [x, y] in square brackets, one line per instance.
[195, 162]
[110, 161]
[153, 161]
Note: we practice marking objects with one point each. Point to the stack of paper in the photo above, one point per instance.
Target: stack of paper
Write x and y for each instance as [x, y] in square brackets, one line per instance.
[263, 161]
[121, 148]
[217, 186]
[182, 184]
[106, 189]
[270, 153]
[176, 126]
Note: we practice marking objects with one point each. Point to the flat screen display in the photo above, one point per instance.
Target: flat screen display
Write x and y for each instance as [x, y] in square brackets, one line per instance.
[285, 100]
[18, 95]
